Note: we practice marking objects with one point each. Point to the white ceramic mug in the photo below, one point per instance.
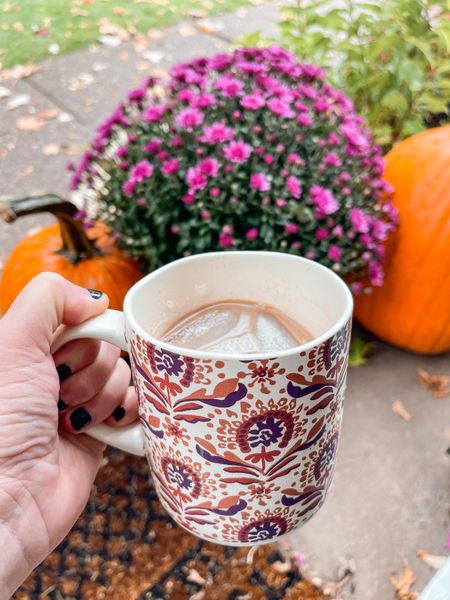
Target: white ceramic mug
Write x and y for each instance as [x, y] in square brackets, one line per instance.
[241, 447]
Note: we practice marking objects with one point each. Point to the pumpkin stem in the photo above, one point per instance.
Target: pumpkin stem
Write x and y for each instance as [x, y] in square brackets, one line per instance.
[76, 245]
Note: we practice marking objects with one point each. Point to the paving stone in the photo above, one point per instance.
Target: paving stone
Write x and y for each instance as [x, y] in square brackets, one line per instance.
[391, 491]
[245, 21]
[90, 83]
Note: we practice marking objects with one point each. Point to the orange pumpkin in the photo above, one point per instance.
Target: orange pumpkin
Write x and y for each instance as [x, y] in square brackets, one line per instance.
[90, 259]
[412, 309]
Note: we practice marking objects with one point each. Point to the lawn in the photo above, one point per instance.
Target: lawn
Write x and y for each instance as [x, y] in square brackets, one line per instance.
[31, 30]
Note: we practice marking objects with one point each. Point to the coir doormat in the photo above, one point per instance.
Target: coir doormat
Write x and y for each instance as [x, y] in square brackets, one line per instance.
[125, 547]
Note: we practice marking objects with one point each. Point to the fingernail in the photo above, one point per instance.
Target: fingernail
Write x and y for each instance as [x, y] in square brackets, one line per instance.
[61, 405]
[118, 413]
[64, 371]
[95, 294]
[80, 418]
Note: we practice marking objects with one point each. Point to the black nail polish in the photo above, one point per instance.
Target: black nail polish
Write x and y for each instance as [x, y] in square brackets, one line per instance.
[118, 413]
[64, 371]
[61, 405]
[95, 294]
[80, 418]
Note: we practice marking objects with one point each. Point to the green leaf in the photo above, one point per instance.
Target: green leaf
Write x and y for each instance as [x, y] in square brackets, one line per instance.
[421, 45]
[395, 101]
[433, 103]
[412, 126]
[359, 351]
[411, 74]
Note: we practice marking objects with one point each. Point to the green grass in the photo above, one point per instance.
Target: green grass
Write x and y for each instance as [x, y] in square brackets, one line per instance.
[74, 24]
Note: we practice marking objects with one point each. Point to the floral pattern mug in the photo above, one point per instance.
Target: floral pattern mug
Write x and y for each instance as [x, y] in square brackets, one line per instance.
[241, 447]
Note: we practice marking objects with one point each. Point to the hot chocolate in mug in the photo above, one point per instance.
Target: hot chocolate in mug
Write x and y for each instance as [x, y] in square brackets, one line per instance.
[241, 447]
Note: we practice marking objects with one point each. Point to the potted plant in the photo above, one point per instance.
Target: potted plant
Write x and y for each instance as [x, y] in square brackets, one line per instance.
[250, 150]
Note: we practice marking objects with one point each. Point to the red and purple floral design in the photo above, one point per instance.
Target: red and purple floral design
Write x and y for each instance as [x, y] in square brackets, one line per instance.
[242, 451]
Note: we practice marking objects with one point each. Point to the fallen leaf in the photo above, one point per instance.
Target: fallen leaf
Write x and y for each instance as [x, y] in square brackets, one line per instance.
[432, 560]
[401, 411]
[44, 32]
[106, 27]
[78, 12]
[4, 152]
[51, 149]
[109, 40]
[124, 56]
[437, 385]
[186, 30]
[196, 14]
[99, 66]
[154, 56]
[402, 586]
[195, 577]
[4, 92]
[143, 65]
[282, 567]
[119, 10]
[65, 117]
[140, 43]
[251, 555]
[27, 171]
[74, 149]
[30, 123]
[80, 82]
[18, 101]
[210, 27]
[54, 49]
[18, 26]
[18, 72]
[154, 34]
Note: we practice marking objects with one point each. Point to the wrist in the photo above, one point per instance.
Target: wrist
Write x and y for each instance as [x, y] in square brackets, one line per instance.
[23, 536]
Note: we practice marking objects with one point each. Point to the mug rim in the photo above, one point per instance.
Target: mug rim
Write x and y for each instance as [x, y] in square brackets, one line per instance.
[202, 354]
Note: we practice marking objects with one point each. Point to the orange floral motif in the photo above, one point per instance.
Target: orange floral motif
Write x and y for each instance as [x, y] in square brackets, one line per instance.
[262, 373]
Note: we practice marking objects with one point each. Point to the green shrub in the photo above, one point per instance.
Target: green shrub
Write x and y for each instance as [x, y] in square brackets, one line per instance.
[391, 57]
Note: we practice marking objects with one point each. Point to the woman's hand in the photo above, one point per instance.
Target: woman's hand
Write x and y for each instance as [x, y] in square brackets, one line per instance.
[46, 473]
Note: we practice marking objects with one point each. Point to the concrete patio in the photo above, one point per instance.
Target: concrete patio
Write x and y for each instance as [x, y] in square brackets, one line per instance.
[391, 492]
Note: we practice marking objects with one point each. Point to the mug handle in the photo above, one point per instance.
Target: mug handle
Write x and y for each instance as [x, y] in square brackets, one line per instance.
[109, 327]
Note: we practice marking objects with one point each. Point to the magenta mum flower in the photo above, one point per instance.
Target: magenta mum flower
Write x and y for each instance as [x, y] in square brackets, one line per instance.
[280, 108]
[291, 228]
[141, 171]
[332, 160]
[189, 118]
[252, 101]
[225, 240]
[359, 220]
[237, 151]
[229, 86]
[259, 181]
[294, 187]
[171, 166]
[153, 114]
[217, 133]
[323, 200]
[252, 234]
[209, 166]
[375, 274]
[153, 145]
[128, 187]
[195, 179]
[334, 253]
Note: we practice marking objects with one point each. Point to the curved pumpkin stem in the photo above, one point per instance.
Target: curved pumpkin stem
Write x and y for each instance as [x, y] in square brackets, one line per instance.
[76, 245]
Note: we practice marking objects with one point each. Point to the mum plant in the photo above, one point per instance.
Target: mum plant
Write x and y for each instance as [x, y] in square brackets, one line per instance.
[250, 151]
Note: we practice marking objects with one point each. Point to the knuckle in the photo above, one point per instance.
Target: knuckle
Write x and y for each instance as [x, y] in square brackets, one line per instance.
[48, 279]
